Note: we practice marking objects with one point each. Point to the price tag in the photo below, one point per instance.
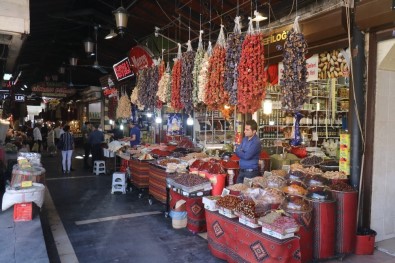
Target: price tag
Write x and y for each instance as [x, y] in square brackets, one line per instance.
[266, 173]
[225, 192]
[26, 184]
[286, 167]
[248, 182]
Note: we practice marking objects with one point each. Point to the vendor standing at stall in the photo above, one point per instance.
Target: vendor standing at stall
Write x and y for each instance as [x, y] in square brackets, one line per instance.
[248, 152]
[116, 132]
[134, 133]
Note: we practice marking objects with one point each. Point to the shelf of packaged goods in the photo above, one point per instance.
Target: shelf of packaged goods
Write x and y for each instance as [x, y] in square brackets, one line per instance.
[279, 138]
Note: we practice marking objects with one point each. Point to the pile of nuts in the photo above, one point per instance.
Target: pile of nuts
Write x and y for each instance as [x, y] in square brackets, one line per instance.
[342, 187]
[229, 202]
[247, 208]
[190, 180]
[311, 161]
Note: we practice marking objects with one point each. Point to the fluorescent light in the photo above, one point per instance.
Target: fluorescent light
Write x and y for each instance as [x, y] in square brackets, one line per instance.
[112, 34]
[267, 105]
[158, 120]
[149, 114]
[7, 76]
[258, 17]
[189, 121]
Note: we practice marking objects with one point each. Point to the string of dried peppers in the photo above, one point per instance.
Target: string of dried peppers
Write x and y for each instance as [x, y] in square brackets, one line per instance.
[188, 59]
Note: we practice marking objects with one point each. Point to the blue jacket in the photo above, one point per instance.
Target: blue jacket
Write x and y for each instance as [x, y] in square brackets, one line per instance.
[248, 152]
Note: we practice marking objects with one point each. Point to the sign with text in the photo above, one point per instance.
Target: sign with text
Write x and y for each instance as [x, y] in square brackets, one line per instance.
[123, 69]
[19, 98]
[53, 89]
[140, 57]
[312, 68]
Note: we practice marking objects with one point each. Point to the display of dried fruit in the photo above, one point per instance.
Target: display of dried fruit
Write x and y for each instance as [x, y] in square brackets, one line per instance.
[190, 180]
[342, 187]
[124, 109]
[228, 201]
[188, 59]
[176, 86]
[164, 86]
[233, 52]
[311, 161]
[247, 208]
[216, 96]
[203, 75]
[251, 80]
[164, 162]
[294, 79]
[161, 72]
[197, 67]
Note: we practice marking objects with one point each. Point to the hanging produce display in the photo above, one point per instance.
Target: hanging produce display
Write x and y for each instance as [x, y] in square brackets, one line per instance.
[162, 70]
[233, 51]
[164, 86]
[216, 96]
[188, 59]
[197, 66]
[112, 107]
[202, 79]
[176, 82]
[294, 81]
[143, 79]
[124, 109]
[152, 87]
[134, 97]
[252, 78]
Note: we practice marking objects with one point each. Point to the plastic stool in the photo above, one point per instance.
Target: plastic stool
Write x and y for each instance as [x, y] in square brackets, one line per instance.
[99, 167]
[118, 182]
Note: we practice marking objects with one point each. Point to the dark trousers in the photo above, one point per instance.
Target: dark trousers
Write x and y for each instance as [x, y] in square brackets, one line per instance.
[245, 174]
[87, 148]
[39, 145]
[97, 153]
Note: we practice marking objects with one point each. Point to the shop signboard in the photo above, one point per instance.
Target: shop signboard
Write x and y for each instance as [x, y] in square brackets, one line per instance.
[53, 89]
[123, 69]
[19, 98]
[344, 161]
[140, 57]
[312, 68]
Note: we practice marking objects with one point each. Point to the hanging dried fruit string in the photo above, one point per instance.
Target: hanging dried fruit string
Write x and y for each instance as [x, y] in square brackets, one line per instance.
[188, 59]
[152, 87]
[294, 81]
[162, 70]
[134, 97]
[233, 51]
[197, 66]
[216, 96]
[163, 86]
[176, 82]
[203, 75]
[252, 81]
[124, 109]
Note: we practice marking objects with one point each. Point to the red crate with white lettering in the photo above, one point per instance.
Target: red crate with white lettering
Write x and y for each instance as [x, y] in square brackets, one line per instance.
[23, 212]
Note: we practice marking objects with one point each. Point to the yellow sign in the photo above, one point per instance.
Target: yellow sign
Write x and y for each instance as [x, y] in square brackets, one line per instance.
[25, 184]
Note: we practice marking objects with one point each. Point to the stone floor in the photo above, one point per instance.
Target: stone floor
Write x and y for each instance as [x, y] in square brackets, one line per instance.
[83, 222]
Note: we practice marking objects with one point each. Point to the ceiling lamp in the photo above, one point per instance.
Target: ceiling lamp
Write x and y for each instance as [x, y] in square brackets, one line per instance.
[89, 45]
[121, 19]
[73, 61]
[258, 16]
[62, 70]
[112, 34]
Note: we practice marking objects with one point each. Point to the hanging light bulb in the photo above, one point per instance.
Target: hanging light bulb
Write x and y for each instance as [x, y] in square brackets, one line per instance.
[68, 109]
[121, 19]
[267, 105]
[111, 122]
[190, 121]
[158, 120]
[121, 127]
[149, 114]
[88, 45]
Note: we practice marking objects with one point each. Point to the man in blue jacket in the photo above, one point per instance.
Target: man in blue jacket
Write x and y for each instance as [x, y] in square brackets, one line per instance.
[248, 152]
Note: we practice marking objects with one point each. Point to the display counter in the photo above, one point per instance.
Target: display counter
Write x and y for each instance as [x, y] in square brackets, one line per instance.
[139, 172]
[234, 242]
[157, 182]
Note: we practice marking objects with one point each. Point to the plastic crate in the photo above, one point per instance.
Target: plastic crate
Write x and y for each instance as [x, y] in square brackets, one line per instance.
[23, 212]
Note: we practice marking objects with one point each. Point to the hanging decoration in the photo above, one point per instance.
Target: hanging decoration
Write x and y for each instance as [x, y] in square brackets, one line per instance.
[252, 78]
[188, 59]
[124, 109]
[197, 66]
[216, 96]
[294, 80]
[152, 87]
[134, 97]
[162, 71]
[176, 82]
[143, 86]
[233, 51]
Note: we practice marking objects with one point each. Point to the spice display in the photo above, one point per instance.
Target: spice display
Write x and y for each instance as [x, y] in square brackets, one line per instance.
[197, 67]
[233, 51]
[186, 89]
[251, 79]
[281, 173]
[164, 162]
[311, 161]
[190, 180]
[124, 109]
[216, 96]
[294, 80]
[229, 202]
[112, 107]
[160, 153]
[203, 75]
[342, 187]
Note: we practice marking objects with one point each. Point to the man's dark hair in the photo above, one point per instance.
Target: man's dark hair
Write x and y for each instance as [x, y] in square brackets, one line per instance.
[96, 126]
[252, 124]
[87, 122]
[66, 128]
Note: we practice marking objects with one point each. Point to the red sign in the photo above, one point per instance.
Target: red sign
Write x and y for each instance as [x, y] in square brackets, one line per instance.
[122, 69]
[140, 57]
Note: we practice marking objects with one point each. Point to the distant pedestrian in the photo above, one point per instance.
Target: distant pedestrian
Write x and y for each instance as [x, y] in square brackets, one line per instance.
[37, 136]
[86, 131]
[66, 142]
[96, 138]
